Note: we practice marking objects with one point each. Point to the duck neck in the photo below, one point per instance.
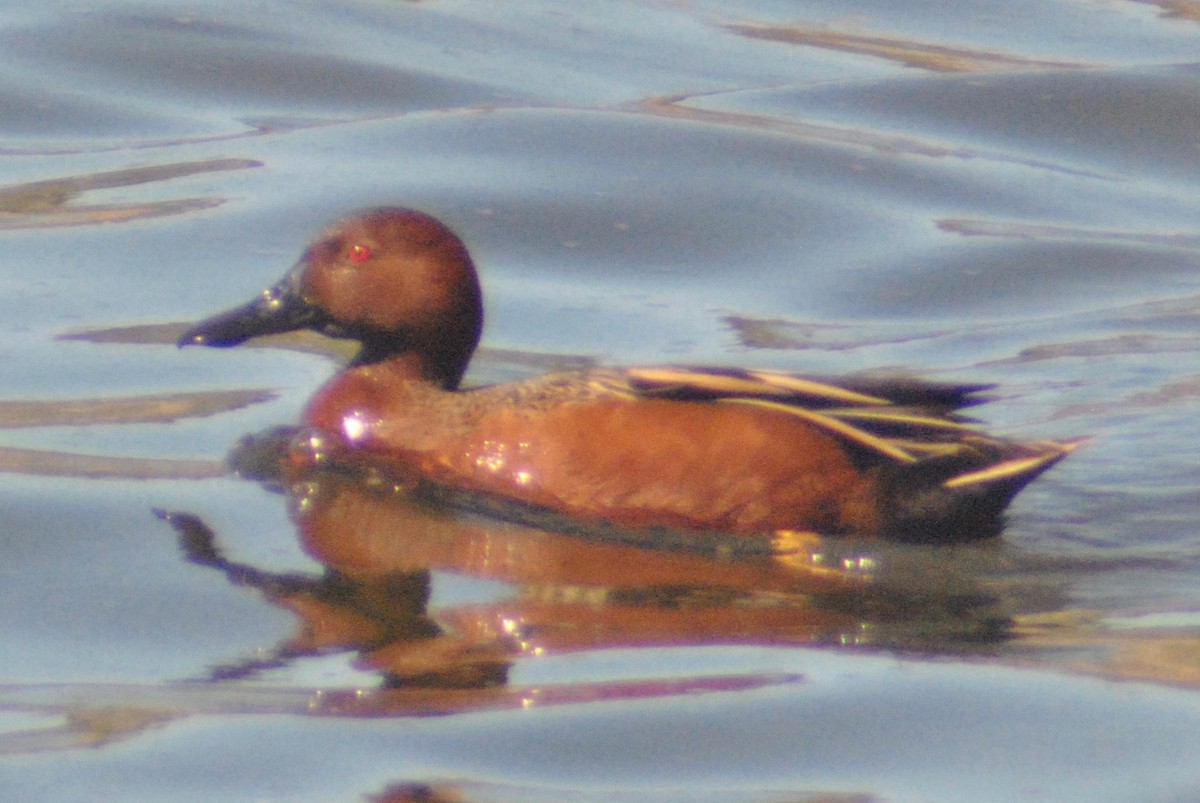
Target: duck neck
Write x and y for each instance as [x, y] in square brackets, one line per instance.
[437, 365]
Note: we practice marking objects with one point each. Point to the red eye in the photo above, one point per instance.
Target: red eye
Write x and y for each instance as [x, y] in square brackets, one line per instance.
[360, 253]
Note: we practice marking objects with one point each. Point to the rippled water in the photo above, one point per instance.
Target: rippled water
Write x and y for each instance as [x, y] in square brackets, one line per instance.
[974, 192]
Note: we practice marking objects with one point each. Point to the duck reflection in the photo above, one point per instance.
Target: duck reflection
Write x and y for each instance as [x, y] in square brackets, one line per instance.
[381, 544]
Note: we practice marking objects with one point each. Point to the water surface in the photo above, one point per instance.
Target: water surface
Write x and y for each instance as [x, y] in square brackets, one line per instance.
[968, 193]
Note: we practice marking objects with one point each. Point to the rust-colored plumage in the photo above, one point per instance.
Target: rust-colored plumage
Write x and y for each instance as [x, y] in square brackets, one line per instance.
[744, 452]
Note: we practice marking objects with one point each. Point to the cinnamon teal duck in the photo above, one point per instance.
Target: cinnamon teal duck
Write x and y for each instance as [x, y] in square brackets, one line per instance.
[745, 452]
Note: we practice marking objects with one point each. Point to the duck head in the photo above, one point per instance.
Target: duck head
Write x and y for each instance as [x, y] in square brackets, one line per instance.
[396, 280]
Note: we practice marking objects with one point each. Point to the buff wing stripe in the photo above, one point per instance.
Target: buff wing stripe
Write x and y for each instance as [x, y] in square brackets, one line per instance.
[904, 421]
[734, 383]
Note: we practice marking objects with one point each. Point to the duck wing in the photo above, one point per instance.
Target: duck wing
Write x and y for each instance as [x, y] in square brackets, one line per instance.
[901, 420]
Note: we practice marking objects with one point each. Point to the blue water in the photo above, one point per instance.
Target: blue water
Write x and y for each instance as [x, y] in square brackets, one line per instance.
[974, 192]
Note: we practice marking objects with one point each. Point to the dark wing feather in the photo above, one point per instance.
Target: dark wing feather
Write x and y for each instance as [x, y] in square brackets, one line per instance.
[904, 420]
[698, 384]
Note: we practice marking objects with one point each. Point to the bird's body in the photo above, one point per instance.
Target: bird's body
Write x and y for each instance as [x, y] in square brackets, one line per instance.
[743, 452]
